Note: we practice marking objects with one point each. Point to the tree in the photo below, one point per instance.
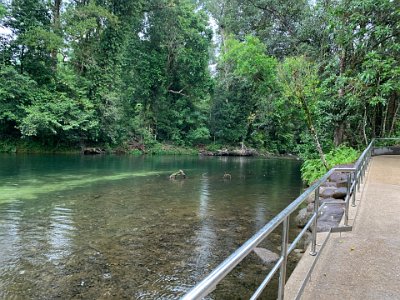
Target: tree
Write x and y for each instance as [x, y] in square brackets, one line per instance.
[299, 81]
[245, 90]
[359, 32]
[166, 70]
[16, 91]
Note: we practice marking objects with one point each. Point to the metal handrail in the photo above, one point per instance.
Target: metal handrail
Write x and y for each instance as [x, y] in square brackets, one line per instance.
[355, 176]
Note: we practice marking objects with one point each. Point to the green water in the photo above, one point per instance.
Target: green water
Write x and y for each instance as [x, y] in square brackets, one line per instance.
[116, 227]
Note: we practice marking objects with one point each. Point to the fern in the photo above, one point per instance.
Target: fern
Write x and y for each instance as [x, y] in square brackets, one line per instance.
[313, 169]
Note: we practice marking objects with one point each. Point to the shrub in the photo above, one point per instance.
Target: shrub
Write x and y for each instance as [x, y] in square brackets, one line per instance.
[312, 169]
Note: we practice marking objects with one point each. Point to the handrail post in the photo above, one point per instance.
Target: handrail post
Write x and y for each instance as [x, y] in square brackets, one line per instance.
[353, 203]
[365, 165]
[346, 210]
[284, 254]
[313, 251]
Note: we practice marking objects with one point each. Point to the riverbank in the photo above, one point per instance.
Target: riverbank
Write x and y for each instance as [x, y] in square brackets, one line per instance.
[135, 148]
[332, 194]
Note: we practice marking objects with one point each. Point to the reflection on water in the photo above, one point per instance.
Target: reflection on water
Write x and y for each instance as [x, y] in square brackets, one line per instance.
[205, 236]
[60, 233]
[114, 227]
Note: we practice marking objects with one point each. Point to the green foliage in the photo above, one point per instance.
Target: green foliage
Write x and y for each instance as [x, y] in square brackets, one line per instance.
[3, 10]
[55, 113]
[242, 97]
[109, 72]
[28, 145]
[200, 135]
[7, 146]
[299, 80]
[312, 169]
[248, 61]
[167, 64]
[16, 91]
[135, 152]
[215, 146]
[165, 149]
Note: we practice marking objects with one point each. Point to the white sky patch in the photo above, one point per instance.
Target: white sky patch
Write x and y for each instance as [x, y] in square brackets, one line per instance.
[212, 23]
[216, 40]
[5, 31]
[144, 33]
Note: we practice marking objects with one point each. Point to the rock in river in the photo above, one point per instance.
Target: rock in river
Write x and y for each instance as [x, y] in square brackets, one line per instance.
[327, 192]
[267, 256]
[340, 193]
[302, 217]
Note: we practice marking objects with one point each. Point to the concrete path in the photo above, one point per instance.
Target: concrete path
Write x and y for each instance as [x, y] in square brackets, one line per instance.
[365, 263]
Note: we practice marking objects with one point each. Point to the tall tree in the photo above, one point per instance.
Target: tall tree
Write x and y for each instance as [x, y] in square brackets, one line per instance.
[245, 92]
[168, 66]
[359, 33]
[299, 80]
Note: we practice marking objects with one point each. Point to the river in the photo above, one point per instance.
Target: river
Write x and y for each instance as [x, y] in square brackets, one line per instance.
[116, 227]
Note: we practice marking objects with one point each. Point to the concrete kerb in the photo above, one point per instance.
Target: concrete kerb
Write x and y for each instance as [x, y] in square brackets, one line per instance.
[307, 262]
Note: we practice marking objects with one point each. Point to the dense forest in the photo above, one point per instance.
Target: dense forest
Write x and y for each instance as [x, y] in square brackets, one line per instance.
[288, 76]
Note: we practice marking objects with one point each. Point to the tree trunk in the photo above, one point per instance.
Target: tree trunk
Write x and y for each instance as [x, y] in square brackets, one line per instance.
[365, 125]
[374, 122]
[318, 146]
[314, 134]
[384, 118]
[339, 130]
[56, 16]
[394, 120]
[56, 28]
[339, 134]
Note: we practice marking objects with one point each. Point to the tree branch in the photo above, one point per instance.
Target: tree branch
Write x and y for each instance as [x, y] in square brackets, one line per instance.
[177, 92]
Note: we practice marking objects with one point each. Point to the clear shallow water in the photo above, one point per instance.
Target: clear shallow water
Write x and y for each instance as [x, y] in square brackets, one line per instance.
[112, 227]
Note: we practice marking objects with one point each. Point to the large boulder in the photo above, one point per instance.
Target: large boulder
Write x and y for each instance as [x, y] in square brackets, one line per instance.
[327, 192]
[340, 193]
[322, 201]
[267, 256]
[93, 151]
[304, 241]
[330, 217]
[329, 184]
[302, 217]
[310, 207]
[339, 178]
[310, 198]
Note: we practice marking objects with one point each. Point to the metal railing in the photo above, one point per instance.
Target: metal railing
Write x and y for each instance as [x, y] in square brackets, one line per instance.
[354, 178]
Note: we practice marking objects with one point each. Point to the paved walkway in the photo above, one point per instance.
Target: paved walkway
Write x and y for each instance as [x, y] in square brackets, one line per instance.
[365, 263]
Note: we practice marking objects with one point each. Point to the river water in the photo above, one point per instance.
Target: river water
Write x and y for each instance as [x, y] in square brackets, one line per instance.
[116, 227]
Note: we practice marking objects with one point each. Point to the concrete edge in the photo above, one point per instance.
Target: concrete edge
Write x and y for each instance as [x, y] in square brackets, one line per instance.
[299, 274]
